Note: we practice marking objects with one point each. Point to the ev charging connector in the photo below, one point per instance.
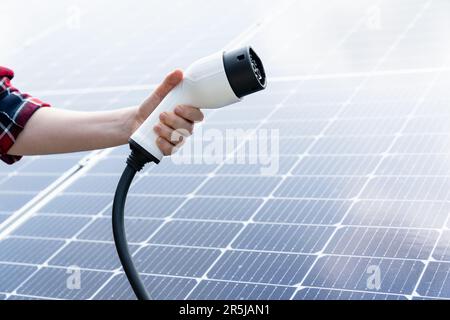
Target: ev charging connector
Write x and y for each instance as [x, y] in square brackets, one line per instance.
[213, 82]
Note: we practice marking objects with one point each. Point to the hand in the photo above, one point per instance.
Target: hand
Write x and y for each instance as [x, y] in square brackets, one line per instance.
[176, 124]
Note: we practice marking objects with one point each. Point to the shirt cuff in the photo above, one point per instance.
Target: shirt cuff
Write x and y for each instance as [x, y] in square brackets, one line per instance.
[16, 109]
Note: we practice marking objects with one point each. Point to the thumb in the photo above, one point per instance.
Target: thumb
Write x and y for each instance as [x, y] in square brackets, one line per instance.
[170, 82]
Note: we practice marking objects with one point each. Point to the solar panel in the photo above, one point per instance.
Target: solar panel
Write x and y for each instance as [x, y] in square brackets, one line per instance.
[358, 93]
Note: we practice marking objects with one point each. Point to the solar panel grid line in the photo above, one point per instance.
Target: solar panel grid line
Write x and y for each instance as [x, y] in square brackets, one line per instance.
[313, 293]
[26, 210]
[212, 289]
[337, 271]
[353, 29]
[442, 253]
[280, 197]
[427, 263]
[390, 213]
[418, 282]
[66, 242]
[246, 249]
[376, 67]
[393, 243]
[173, 213]
[153, 22]
[30, 209]
[413, 219]
[235, 42]
[379, 73]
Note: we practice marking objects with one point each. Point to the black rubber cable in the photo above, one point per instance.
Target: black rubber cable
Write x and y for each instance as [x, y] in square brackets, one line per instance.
[120, 238]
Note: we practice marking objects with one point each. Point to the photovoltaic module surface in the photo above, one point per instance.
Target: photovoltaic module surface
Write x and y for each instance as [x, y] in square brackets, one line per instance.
[352, 200]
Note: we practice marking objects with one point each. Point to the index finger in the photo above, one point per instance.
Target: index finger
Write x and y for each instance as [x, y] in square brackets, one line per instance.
[189, 113]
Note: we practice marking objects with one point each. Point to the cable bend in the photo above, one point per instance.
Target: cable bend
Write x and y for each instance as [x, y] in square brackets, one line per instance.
[120, 239]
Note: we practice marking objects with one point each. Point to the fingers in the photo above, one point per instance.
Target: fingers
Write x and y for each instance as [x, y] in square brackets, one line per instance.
[170, 82]
[189, 113]
[165, 146]
[176, 122]
[173, 136]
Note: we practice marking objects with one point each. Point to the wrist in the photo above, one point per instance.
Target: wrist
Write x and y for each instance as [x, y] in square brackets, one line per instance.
[130, 123]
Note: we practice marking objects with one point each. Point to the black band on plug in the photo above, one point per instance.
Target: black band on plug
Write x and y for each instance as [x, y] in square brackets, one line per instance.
[139, 157]
[245, 71]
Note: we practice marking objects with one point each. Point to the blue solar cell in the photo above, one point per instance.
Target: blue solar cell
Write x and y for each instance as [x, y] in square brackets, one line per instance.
[383, 242]
[176, 261]
[292, 146]
[408, 188]
[365, 126]
[13, 202]
[196, 233]
[385, 113]
[77, 204]
[173, 185]
[422, 144]
[94, 184]
[151, 206]
[138, 230]
[321, 187]
[222, 290]
[270, 164]
[13, 275]
[442, 250]
[326, 294]
[435, 281]
[3, 217]
[434, 107]
[285, 238]
[415, 165]
[27, 298]
[239, 186]
[111, 165]
[160, 288]
[377, 108]
[314, 111]
[352, 145]
[234, 209]
[322, 90]
[50, 165]
[35, 251]
[26, 183]
[51, 226]
[428, 125]
[337, 165]
[296, 128]
[102, 256]
[261, 267]
[427, 298]
[169, 166]
[53, 283]
[324, 212]
[414, 214]
[357, 273]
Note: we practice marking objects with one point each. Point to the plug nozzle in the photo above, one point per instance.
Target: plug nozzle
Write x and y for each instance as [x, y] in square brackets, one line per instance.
[245, 71]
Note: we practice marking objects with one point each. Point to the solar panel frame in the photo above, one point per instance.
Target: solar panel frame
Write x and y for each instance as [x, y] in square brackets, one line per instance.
[311, 231]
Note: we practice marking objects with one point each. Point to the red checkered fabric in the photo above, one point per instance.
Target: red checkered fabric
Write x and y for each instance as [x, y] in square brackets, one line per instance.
[16, 109]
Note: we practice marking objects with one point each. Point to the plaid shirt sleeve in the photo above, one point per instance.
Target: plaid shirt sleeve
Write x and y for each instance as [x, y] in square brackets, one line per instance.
[16, 109]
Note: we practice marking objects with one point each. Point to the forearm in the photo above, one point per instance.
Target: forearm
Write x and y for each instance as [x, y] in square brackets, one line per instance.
[52, 130]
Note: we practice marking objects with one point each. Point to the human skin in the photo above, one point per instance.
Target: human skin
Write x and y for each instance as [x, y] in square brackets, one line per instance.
[53, 130]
